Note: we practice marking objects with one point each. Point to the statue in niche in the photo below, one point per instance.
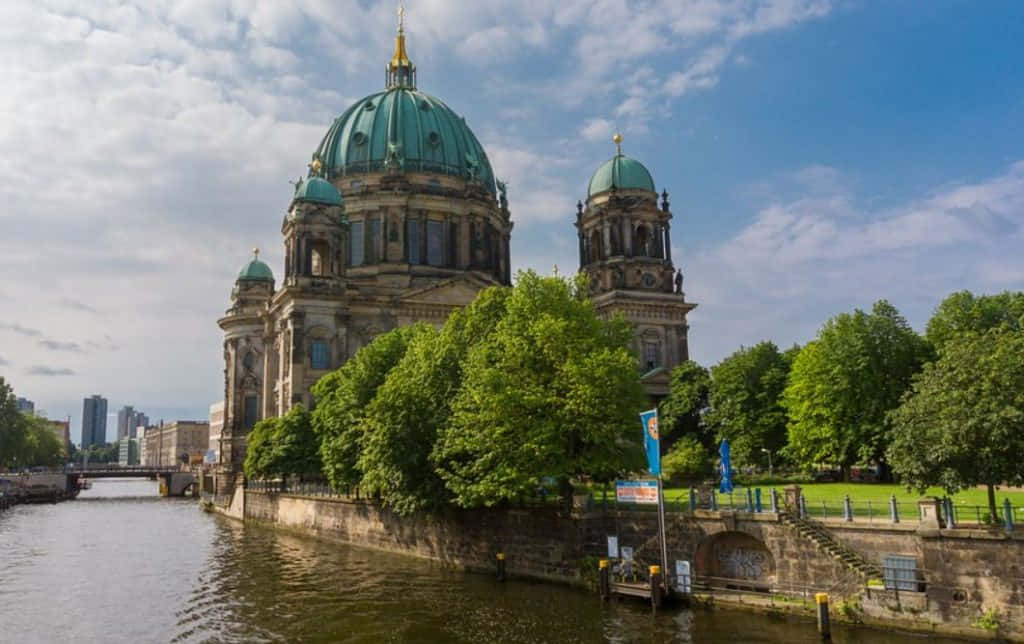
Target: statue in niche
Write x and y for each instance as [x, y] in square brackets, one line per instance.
[679, 282]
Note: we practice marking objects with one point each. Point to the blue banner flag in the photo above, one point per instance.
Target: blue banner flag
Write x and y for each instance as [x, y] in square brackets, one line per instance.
[651, 442]
[723, 451]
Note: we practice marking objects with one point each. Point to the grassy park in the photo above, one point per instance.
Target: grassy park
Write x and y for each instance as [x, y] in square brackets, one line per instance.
[869, 500]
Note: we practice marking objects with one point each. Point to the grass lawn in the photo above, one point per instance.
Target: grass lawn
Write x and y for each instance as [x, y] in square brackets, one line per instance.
[868, 500]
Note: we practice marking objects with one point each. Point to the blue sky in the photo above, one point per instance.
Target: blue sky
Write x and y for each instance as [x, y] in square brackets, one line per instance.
[820, 154]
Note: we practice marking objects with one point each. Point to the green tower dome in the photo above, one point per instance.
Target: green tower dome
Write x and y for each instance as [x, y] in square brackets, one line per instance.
[255, 270]
[623, 173]
[317, 190]
[405, 129]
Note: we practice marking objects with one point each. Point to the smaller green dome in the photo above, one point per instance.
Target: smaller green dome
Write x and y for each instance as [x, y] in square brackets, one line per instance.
[623, 173]
[317, 190]
[256, 271]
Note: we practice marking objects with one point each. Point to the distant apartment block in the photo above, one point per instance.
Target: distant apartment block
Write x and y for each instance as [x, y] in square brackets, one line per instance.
[26, 406]
[128, 451]
[128, 422]
[94, 421]
[182, 441]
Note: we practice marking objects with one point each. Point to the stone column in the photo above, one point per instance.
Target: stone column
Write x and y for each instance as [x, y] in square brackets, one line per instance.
[668, 244]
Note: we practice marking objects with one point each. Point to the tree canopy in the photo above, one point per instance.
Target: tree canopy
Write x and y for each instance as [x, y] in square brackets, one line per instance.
[25, 440]
[682, 412]
[283, 446]
[552, 392]
[844, 383]
[746, 407]
[962, 422]
[339, 419]
[963, 312]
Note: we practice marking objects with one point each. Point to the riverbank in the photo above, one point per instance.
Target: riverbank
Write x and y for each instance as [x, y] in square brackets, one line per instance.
[966, 576]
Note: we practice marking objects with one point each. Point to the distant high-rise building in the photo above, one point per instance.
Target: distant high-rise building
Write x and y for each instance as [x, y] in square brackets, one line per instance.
[26, 406]
[128, 422]
[94, 421]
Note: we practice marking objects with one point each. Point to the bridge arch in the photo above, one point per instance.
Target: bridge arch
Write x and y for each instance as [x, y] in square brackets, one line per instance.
[735, 557]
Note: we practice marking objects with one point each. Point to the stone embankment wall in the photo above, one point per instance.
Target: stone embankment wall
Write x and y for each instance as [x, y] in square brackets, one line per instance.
[966, 573]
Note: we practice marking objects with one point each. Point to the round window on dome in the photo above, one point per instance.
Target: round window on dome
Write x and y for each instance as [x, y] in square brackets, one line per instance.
[359, 138]
[368, 105]
[434, 139]
[424, 105]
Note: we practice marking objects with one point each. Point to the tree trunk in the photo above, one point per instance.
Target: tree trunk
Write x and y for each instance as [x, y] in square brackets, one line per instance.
[992, 502]
[565, 490]
[846, 473]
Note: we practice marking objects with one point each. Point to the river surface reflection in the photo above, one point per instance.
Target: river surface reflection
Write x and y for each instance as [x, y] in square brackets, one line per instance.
[121, 564]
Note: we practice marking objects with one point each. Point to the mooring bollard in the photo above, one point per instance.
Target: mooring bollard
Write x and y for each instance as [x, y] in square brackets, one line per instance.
[824, 628]
[657, 597]
[894, 511]
[604, 581]
[947, 506]
[714, 500]
[847, 508]
[757, 500]
[750, 500]
[693, 498]
[775, 501]
[1008, 515]
[803, 507]
[501, 566]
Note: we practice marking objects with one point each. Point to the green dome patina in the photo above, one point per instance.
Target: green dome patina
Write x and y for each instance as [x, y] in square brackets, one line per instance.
[623, 173]
[406, 129]
[256, 271]
[317, 190]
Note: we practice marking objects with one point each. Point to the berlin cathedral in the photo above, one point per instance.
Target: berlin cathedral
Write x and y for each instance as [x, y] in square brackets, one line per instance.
[402, 220]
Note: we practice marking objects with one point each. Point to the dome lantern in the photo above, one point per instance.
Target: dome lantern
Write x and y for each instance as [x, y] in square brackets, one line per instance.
[401, 72]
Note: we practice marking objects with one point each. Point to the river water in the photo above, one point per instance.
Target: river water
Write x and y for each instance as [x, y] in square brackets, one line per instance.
[121, 564]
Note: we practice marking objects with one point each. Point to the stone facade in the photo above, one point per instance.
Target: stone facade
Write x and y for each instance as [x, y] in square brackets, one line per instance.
[625, 251]
[176, 442]
[965, 572]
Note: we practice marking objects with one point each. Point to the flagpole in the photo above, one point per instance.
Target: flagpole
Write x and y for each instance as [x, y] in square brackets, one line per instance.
[661, 529]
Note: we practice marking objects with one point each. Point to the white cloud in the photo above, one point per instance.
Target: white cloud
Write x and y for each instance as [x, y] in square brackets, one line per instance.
[801, 261]
[597, 129]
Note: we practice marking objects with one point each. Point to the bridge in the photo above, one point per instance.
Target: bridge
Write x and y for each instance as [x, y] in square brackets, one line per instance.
[173, 480]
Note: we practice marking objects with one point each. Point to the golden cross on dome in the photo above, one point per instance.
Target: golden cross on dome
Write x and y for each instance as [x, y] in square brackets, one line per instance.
[401, 17]
[618, 143]
[256, 252]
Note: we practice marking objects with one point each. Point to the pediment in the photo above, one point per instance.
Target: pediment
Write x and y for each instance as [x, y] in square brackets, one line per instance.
[458, 291]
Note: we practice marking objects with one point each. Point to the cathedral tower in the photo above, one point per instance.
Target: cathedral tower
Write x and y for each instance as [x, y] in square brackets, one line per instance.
[625, 252]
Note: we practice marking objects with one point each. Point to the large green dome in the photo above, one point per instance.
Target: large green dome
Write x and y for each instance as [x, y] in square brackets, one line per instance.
[623, 173]
[404, 128]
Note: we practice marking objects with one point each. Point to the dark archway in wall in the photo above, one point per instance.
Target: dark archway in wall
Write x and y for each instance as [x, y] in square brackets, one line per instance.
[735, 557]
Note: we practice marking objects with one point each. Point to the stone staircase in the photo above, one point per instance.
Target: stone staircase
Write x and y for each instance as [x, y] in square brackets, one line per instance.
[827, 544]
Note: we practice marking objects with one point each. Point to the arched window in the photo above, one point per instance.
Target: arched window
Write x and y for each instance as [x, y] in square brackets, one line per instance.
[355, 241]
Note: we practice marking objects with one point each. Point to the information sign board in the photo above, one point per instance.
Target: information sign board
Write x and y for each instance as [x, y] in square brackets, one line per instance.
[636, 492]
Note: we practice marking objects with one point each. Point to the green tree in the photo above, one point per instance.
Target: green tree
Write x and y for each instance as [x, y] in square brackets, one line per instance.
[14, 430]
[844, 383]
[343, 397]
[43, 447]
[553, 392]
[963, 312]
[283, 446]
[962, 423]
[746, 402]
[687, 461]
[414, 402]
[682, 412]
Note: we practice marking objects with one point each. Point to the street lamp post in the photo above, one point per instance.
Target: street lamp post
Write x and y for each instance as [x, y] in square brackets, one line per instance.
[769, 453]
